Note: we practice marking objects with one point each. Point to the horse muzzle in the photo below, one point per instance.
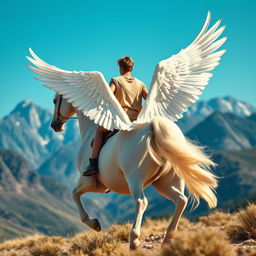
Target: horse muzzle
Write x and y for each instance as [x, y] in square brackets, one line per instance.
[57, 125]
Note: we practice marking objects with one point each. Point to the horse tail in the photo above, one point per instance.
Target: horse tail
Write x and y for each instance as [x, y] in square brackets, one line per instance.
[170, 148]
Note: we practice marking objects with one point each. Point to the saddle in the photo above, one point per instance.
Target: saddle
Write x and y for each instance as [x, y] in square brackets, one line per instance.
[107, 135]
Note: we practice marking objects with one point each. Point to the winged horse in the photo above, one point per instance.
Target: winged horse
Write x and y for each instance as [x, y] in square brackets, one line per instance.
[150, 150]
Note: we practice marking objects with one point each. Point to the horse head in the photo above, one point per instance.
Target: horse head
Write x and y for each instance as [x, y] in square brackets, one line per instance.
[63, 110]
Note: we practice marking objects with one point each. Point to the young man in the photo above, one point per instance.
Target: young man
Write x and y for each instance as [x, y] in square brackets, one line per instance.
[129, 91]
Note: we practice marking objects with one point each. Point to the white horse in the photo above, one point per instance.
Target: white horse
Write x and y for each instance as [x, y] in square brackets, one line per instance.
[156, 153]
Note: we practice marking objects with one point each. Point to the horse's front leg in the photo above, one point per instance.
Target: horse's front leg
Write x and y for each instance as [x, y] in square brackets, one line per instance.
[86, 184]
[141, 204]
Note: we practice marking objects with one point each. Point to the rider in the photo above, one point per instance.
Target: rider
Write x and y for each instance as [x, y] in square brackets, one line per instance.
[129, 91]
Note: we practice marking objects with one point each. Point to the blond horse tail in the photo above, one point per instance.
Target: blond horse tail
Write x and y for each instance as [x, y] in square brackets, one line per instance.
[169, 147]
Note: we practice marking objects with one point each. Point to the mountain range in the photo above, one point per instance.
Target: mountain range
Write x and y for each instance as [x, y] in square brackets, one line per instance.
[26, 129]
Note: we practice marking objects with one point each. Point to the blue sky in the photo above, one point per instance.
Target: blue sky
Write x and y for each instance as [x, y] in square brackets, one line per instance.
[92, 35]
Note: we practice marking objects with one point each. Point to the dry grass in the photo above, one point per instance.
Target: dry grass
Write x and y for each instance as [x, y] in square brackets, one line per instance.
[246, 227]
[154, 226]
[15, 253]
[94, 244]
[29, 241]
[45, 248]
[126, 252]
[217, 219]
[203, 238]
[205, 242]
[159, 226]
[114, 242]
[120, 232]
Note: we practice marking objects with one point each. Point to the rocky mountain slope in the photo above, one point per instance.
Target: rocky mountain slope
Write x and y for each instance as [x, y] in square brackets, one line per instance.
[30, 203]
[237, 172]
[27, 130]
[225, 131]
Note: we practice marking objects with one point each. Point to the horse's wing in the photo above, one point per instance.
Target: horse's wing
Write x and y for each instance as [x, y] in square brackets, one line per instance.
[87, 91]
[179, 80]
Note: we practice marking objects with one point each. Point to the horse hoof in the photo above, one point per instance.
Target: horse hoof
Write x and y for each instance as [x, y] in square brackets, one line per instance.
[84, 219]
[166, 242]
[135, 244]
[96, 225]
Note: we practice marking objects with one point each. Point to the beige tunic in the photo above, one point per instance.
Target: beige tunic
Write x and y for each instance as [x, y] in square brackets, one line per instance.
[129, 91]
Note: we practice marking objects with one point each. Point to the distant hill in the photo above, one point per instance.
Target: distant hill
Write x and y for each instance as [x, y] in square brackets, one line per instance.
[237, 172]
[252, 117]
[225, 131]
[30, 203]
[62, 165]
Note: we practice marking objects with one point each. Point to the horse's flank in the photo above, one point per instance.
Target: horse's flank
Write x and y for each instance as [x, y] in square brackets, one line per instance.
[127, 150]
[148, 153]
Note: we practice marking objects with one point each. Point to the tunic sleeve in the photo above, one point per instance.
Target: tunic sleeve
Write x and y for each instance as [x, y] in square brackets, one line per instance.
[143, 87]
[114, 81]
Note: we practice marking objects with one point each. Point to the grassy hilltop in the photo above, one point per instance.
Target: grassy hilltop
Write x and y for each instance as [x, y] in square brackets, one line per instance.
[218, 234]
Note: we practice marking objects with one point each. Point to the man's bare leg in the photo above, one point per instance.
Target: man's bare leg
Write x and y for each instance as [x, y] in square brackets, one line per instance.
[98, 140]
[92, 168]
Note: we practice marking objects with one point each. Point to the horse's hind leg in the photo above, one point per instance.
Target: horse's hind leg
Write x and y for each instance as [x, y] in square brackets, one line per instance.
[85, 184]
[141, 205]
[172, 187]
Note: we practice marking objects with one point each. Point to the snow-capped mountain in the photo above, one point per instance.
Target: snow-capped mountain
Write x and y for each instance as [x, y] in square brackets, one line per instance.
[27, 130]
[201, 109]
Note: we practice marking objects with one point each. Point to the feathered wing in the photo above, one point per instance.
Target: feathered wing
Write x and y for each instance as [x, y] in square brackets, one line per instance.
[87, 91]
[179, 80]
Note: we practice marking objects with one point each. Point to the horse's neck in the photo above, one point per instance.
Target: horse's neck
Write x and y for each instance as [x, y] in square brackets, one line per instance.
[86, 126]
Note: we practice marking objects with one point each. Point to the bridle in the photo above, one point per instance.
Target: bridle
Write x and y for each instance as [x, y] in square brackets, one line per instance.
[58, 111]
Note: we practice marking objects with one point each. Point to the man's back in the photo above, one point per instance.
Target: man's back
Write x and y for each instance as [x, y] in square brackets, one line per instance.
[129, 92]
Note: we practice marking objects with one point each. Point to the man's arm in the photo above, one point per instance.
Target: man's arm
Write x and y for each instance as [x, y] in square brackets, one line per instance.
[112, 86]
[144, 92]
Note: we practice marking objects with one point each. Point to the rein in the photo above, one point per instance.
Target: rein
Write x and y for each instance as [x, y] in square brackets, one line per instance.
[58, 111]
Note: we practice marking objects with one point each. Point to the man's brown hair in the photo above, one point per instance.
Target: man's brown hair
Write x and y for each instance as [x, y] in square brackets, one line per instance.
[126, 63]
